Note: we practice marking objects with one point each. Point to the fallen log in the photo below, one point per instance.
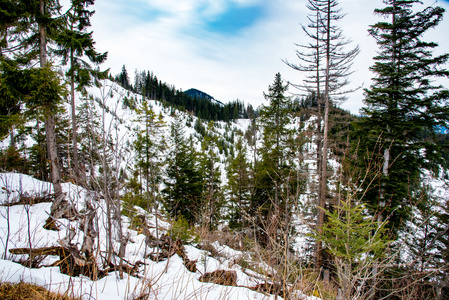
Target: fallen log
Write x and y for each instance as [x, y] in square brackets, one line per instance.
[70, 262]
[33, 252]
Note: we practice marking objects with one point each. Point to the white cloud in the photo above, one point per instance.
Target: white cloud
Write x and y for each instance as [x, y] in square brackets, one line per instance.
[175, 45]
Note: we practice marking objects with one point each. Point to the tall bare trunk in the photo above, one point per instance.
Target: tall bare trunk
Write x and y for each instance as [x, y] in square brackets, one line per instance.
[42, 38]
[105, 189]
[76, 168]
[323, 181]
[49, 118]
[52, 153]
[320, 217]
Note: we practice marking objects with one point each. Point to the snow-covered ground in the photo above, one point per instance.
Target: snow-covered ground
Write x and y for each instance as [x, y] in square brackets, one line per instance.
[22, 226]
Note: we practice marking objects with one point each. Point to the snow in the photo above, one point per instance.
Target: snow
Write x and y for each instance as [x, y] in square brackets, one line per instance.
[167, 279]
[22, 225]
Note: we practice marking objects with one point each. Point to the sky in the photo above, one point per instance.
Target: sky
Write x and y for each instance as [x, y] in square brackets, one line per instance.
[231, 49]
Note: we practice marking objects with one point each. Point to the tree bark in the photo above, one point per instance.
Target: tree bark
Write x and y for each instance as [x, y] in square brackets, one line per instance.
[53, 153]
[49, 116]
[323, 181]
[76, 169]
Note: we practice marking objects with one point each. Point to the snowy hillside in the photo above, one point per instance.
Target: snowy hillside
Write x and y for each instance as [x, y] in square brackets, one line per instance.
[146, 260]
[21, 226]
[26, 206]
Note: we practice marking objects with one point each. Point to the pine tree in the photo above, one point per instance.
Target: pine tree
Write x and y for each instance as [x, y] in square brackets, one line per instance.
[356, 243]
[76, 46]
[402, 103]
[148, 152]
[272, 171]
[123, 78]
[183, 186]
[239, 186]
[210, 171]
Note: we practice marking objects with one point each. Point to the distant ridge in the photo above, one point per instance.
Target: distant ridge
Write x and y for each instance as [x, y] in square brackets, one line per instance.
[194, 93]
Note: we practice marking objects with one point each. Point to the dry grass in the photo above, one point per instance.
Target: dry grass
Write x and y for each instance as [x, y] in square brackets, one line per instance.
[26, 291]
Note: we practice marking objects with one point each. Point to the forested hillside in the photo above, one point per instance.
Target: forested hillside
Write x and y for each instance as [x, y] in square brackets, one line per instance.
[158, 193]
[196, 102]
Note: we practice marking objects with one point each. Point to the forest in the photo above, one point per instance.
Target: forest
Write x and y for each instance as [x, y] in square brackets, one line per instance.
[317, 200]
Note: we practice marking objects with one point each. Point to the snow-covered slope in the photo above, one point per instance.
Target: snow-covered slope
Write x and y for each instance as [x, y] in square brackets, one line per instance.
[21, 226]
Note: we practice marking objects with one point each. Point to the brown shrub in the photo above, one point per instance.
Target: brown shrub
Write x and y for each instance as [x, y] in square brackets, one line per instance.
[222, 277]
[26, 291]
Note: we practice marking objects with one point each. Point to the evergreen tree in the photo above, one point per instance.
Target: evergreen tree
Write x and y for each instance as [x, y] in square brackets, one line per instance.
[123, 78]
[356, 243]
[183, 186]
[422, 231]
[402, 103]
[238, 185]
[442, 247]
[272, 170]
[149, 148]
[34, 25]
[45, 97]
[76, 46]
[210, 170]
[89, 126]
[11, 96]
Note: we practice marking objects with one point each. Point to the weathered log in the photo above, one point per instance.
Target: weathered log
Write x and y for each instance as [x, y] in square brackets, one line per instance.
[222, 277]
[71, 262]
[60, 208]
[55, 250]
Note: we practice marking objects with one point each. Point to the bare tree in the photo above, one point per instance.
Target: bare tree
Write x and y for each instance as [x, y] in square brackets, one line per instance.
[115, 154]
[326, 62]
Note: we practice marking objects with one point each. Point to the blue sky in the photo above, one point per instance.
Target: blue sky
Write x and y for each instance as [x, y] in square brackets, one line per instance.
[235, 19]
[228, 48]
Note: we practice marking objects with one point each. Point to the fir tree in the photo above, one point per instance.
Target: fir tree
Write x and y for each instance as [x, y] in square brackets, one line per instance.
[11, 96]
[272, 170]
[183, 187]
[327, 62]
[402, 103]
[75, 47]
[36, 24]
[210, 170]
[148, 152]
[442, 247]
[123, 78]
[88, 124]
[356, 243]
[239, 185]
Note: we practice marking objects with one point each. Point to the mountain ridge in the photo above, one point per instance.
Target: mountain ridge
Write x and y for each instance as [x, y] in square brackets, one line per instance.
[195, 93]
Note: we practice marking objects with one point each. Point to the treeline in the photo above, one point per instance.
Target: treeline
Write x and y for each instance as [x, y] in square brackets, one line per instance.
[147, 84]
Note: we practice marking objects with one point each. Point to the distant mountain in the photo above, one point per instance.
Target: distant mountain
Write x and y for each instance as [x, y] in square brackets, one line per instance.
[194, 93]
[198, 94]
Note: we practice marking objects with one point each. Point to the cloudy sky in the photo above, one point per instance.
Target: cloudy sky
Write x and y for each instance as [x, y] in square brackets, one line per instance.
[230, 49]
